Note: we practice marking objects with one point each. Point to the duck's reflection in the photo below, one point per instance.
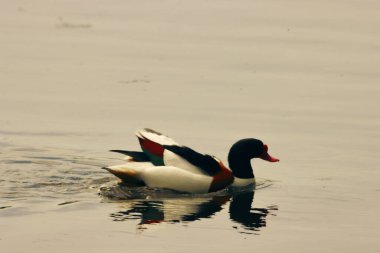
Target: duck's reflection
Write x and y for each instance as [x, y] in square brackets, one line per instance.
[251, 218]
[172, 210]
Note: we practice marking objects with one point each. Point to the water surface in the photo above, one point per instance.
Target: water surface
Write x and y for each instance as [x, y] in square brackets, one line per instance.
[77, 78]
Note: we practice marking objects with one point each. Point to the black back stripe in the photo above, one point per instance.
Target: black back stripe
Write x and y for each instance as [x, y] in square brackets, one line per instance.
[205, 162]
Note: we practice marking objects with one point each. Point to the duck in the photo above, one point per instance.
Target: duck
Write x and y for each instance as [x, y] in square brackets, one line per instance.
[163, 163]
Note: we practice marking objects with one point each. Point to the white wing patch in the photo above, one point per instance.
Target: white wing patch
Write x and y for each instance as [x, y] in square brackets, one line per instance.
[172, 159]
[155, 137]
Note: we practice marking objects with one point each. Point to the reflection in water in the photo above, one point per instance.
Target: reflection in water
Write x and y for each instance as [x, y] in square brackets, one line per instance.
[242, 213]
[188, 209]
[171, 210]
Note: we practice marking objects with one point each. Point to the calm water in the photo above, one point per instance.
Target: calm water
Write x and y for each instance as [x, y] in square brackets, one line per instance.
[77, 78]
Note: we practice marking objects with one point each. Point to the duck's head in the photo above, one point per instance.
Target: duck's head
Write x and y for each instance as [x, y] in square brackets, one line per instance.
[241, 154]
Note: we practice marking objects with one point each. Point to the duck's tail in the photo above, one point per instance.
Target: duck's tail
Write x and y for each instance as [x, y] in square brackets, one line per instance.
[129, 173]
[136, 156]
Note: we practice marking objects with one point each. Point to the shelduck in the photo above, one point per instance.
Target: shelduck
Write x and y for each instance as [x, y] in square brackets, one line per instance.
[163, 163]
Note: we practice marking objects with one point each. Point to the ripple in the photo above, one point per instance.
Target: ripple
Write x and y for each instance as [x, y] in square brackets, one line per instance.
[53, 173]
[121, 191]
[68, 202]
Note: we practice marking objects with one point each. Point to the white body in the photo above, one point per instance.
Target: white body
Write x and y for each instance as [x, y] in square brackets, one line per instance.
[168, 177]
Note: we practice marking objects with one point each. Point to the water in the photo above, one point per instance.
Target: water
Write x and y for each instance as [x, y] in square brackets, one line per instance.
[48, 173]
[77, 78]
[59, 177]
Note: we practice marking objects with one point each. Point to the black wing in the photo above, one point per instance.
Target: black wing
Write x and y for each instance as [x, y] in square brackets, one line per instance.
[206, 162]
